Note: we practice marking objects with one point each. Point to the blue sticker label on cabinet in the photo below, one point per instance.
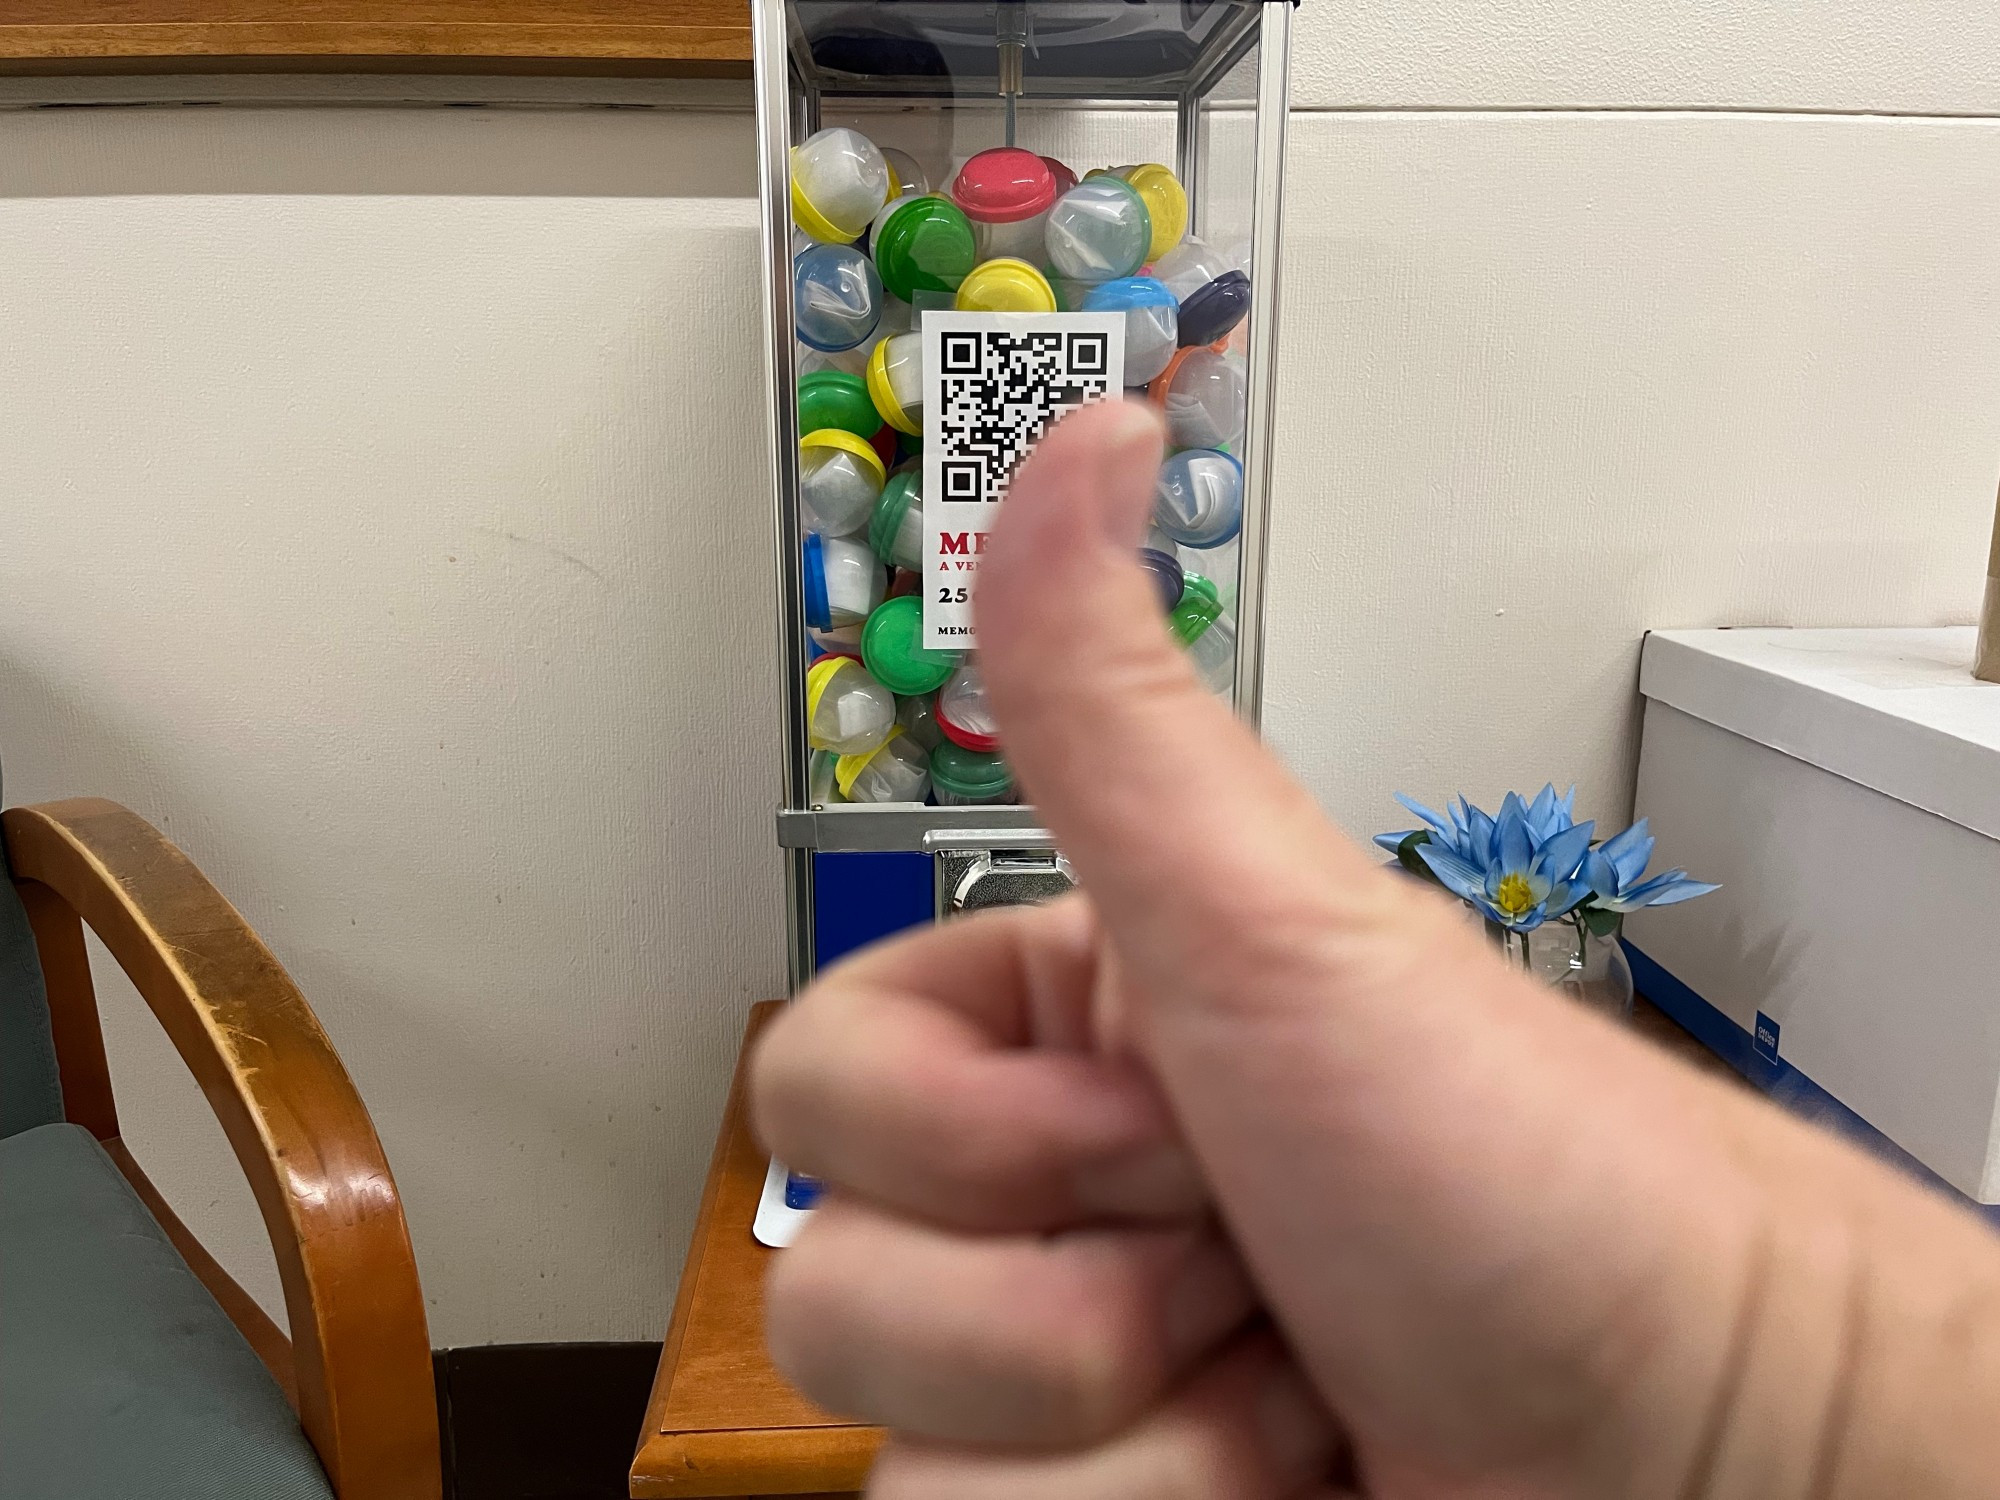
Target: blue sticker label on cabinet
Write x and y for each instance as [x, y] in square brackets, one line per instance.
[1767, 1037]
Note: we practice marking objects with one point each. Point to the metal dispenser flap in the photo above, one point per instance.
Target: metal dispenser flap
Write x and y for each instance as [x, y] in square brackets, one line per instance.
[974, 879]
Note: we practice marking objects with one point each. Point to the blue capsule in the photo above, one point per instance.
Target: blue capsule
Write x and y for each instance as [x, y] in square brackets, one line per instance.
[1199, 500]
[836, 297]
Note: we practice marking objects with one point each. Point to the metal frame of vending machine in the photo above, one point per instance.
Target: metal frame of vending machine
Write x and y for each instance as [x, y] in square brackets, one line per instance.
[869, 869]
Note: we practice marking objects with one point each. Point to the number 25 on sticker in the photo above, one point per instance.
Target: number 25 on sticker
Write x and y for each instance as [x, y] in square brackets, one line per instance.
[950, 595]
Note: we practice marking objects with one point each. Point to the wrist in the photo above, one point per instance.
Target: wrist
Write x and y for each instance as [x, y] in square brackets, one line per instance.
[1867, 1359]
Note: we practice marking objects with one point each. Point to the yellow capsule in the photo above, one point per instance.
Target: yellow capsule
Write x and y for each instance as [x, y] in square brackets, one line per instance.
[847, 442]
[896, 382]
[1165, 200]
[1005, 285]
[815, 223]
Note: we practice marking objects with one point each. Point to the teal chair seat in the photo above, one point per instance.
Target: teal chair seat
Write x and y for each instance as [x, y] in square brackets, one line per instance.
[120, 1376]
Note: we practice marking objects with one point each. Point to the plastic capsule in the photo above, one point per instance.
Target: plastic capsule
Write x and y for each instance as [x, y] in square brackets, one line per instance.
[1213, 294]
[896, 381]
[918, 721]
[809, 361]
[840, 477]
[1200, 607]
[839, 180]
[922, 243]
[1065, 179]
[885, 443]
[893, 650]
[1211, 314]
[836, 297]
[1152, 322]
[1222, 564]
[969, 778]
[1203, 395]
[844, 640]
[897, 770]
[823, 790]
[963, 712]
[842, 582]
[1098, 230]
[1168, 579]
[1006, 193]
[834, 398]
[896, 531]
[897, 317]
[1214, 655]
[1165, 200]
[1070, 294]
[1191, 265]
[1005, 286]
[1199, 499]
[905, 175]
[847, 711]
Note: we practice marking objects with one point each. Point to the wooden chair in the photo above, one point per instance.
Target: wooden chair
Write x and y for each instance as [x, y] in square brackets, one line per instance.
[130, 1363]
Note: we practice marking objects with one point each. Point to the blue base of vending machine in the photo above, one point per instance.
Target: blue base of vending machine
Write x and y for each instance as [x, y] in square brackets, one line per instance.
[858, 898]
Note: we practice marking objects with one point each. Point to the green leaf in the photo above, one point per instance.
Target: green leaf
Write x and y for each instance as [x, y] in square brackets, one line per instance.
[1601, 923]
[1409, 859]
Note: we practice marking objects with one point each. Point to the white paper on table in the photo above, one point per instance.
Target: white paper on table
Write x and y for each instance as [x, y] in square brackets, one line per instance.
[777, 1223]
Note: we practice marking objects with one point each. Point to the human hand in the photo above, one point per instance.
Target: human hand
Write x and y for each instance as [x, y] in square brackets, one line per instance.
[1252, 1172]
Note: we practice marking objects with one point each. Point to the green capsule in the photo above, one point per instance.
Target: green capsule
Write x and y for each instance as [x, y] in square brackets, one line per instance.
[834, 398]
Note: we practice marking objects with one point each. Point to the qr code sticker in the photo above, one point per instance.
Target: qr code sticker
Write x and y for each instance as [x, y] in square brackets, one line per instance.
[994, 383]
[1000, 389]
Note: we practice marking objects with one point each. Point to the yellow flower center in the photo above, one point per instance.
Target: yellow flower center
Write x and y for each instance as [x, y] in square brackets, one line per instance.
[1514, 898]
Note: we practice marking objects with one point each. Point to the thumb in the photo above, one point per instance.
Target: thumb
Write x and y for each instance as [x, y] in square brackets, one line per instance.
[1206, 861]
[1389, 1118]
[1160, 796]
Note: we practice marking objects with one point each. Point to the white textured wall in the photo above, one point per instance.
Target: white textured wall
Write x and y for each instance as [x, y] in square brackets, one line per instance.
[382, 512]
[387, 522]
[1551, 380]
[1873, 56]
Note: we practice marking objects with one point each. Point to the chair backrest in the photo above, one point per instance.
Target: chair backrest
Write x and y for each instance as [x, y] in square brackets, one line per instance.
[30, 1084]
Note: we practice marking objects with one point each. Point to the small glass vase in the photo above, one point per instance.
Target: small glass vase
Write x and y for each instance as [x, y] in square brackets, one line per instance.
[1566, 955]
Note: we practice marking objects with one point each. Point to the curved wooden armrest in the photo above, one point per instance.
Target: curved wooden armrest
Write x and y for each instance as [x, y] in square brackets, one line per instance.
[360, 1345]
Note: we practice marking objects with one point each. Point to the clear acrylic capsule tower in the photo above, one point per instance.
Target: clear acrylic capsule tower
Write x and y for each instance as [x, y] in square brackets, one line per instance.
[918, 157]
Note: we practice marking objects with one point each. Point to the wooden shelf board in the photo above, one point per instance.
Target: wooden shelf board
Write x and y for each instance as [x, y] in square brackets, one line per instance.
[663, 36]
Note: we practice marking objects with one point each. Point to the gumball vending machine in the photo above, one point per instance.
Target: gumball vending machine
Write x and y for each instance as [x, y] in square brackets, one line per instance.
[977, 215]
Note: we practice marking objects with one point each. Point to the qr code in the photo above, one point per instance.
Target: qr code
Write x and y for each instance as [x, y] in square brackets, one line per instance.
[999, 389]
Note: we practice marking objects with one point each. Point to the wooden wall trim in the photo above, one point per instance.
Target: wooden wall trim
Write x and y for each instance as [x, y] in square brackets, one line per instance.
[701, 37]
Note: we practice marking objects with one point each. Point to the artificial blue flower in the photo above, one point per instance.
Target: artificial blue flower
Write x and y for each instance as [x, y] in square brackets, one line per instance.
[1518, 869]
[1467, 831]
[1533, 862]
[1613, 873]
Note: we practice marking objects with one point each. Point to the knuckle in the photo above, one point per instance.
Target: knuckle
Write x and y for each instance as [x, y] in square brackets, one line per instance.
[1093, 1364]
[987, 1172]
[781, 1085]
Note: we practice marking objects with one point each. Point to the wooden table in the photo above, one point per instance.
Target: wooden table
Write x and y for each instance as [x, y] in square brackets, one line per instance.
[721, 1421]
